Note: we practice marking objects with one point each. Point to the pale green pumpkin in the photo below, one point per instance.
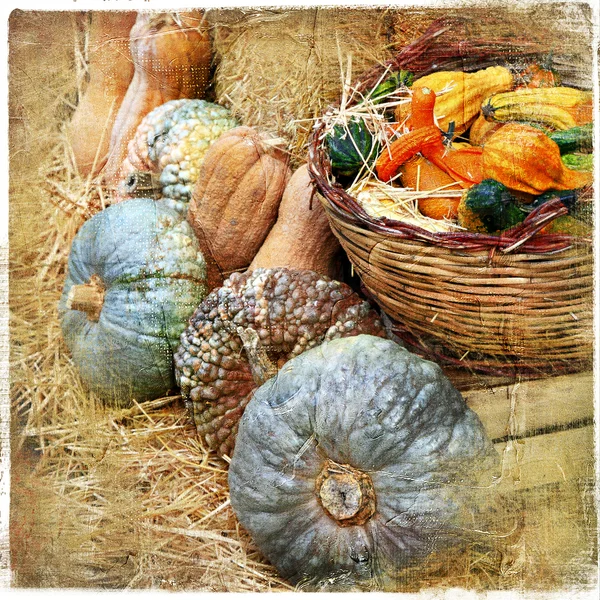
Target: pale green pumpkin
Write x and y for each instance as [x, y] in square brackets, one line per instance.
[356, 461]
[135, 276]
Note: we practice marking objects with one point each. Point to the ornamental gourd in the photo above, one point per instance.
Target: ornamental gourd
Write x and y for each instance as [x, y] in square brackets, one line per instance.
[171, 54]
[135, 275]
[525, 159]
[356, 461]
[460, 94]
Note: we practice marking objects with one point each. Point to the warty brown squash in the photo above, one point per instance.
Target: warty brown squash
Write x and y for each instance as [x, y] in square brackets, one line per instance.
[248, 328]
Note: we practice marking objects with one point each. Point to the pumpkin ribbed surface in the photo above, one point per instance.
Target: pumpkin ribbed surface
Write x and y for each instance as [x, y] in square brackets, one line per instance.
[357, 460]
[150, 275]
[236, 198]
[291, 310]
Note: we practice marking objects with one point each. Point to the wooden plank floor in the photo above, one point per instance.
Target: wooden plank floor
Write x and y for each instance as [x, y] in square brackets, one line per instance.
[543, 429]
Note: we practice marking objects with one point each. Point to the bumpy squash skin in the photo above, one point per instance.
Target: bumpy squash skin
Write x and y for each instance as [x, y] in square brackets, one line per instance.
[290, 309]
[147, 259]
[236, 198]
[365, 402]
[171, 141]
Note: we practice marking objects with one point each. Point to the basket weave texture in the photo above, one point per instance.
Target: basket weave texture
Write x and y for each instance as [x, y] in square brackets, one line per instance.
[520, 301]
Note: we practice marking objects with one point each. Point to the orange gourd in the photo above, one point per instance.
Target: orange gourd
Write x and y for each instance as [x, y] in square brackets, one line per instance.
[462, 165]
[481, 129]
[420, 174]
[171, 54]
[524, 158]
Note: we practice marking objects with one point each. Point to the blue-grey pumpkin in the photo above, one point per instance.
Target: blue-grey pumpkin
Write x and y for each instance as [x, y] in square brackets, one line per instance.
[356, 461]
[135, 275]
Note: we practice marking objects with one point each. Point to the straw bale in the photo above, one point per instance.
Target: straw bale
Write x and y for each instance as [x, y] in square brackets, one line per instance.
[567, 24]
[104, 498]
[279, 70]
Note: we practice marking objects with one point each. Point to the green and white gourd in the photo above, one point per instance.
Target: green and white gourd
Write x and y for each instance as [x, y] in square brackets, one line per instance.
[135, 275]
[171, 142]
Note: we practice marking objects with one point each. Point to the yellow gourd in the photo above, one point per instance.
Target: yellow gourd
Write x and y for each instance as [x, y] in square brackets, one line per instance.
[460, 95]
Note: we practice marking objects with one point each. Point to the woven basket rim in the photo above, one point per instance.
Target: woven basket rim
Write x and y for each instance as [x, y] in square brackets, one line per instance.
[521, 238]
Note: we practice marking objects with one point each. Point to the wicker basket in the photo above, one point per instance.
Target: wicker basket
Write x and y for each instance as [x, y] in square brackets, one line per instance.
[521, 301]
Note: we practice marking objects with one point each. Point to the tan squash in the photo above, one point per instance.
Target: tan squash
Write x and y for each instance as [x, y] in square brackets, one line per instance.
[171, 53]
[236, 197]
[110, 70]
[301, 237]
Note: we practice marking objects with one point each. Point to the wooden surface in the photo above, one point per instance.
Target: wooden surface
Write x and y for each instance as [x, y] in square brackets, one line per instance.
[543, 429]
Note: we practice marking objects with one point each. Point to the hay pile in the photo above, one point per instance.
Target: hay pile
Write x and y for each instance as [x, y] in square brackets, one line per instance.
[129, 498]
[280, 69]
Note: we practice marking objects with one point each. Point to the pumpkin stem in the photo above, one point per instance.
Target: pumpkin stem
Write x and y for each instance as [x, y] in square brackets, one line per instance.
[88, 298]
[346, 494]
[142, 184]
[260, 364]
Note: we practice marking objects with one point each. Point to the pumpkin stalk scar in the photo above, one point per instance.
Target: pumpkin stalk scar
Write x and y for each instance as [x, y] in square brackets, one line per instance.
[88, 298]
[261, 366]
[142, 184]
[346, 494]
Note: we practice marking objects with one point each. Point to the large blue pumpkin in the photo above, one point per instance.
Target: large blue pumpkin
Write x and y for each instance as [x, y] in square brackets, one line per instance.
[135, 275]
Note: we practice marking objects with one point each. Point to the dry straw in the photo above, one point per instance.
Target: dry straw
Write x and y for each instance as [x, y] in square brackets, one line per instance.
[280, 69]
[130, 498]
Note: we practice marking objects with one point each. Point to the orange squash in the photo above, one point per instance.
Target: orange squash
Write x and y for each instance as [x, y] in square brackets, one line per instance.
[481, 129]
[171, 54]
[420, 174]
[301, 237]
[463, 165]
[236, 198]
[524, 158]
[110, 71]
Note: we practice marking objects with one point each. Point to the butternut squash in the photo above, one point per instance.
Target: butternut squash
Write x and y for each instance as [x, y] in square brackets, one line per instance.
[110, 70]
[171, 54]
[301, 237]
